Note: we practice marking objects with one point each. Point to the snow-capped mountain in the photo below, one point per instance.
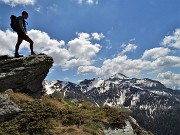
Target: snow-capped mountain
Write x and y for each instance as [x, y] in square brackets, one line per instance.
[144, 94]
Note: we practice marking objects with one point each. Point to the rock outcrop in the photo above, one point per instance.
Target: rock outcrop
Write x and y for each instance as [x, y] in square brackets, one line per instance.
[8, 108]
[24, 74]
[127, 130]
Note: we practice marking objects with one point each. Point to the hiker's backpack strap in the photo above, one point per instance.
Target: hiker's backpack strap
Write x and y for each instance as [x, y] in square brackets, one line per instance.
[24, 24]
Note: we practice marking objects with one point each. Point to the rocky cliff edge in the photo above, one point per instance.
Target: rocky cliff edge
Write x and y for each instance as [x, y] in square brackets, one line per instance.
[24, 74]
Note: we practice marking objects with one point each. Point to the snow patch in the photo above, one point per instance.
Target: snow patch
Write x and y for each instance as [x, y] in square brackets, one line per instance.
[48, 86]
[122, 98]
[135, 99]
[94, 84]
[161, 93]
[116, 101]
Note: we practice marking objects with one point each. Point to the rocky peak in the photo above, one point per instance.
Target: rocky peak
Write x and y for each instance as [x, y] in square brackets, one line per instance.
[119, 76]
[25, 73]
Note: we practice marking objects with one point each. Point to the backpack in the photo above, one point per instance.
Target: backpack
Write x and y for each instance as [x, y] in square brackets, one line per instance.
[13, 23]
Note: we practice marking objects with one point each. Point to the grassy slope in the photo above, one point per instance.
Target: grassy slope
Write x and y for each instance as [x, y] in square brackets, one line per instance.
[49, 116]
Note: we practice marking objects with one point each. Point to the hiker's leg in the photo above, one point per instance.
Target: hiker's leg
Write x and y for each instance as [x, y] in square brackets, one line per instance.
[19, 41]
[31, 43]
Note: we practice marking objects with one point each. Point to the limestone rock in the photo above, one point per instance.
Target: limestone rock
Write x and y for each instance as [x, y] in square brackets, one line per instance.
[24, 74]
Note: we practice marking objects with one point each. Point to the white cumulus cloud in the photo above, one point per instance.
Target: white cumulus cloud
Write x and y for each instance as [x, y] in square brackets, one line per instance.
[124, 65]
[97, 36]
[152, 61]
[172, 40]
[87, 70]
[82, 50]
[7, 42]
[170, 79]
[166, 61]
[14, 3]
[119, 64]
[131, 67]
[156, 53]
[128, 48]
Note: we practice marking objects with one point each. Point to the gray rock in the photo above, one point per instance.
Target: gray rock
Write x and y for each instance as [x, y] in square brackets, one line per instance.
[8, 91]
[7, 108]
[127, 130]
[24, 74]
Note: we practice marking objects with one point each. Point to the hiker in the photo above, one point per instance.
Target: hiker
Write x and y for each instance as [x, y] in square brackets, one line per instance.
[20, 27]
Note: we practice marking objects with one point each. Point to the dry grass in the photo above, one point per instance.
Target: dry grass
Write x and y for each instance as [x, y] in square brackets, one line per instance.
[73, 130]
[20, 97]
[54, 102]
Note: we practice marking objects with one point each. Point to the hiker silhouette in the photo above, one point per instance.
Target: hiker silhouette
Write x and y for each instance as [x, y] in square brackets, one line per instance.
[18, 24]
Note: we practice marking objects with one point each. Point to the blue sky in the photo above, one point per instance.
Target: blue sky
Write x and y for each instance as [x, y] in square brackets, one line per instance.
[92, 38]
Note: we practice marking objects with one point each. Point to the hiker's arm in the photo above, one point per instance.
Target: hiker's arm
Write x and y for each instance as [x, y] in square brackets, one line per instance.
[21, 26]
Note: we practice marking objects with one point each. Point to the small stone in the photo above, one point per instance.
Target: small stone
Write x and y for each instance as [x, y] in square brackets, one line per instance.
[8, 91]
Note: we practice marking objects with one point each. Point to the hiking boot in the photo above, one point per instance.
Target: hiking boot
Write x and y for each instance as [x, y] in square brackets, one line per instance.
[16, 55]
[33, 53]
